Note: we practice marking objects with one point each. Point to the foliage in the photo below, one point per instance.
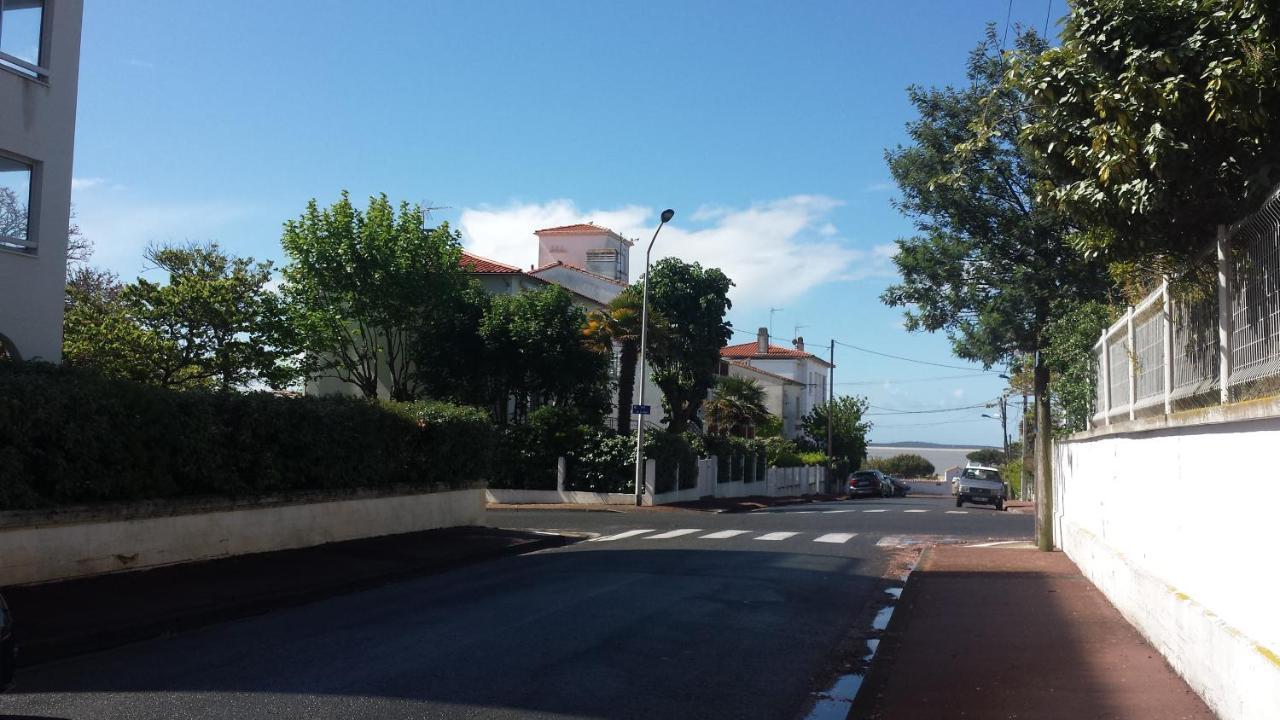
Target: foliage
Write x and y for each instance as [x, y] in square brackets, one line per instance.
[694, 302]
[359, 283]
[70, 436]
[537, 354]
[989, 261]
[849, 430]
[1069, 355]
[737, 407]
[450, 359]
[987, 456]
[619, 323]
[780, 452]
[1012, 474]
[213, 324]
[813, 458]
[730, 453]
[604, 463]
[1156, 121]
[770, 427]
[905, 465]
[673, 457]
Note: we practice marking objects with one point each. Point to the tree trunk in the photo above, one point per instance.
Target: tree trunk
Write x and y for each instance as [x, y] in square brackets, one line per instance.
[628, 357]
[1044, 459]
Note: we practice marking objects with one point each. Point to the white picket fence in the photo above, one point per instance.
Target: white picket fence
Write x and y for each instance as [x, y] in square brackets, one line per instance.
[778, 482]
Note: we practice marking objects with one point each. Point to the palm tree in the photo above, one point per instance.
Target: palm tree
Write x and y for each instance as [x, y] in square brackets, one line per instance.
[619, 323]
[737, 407]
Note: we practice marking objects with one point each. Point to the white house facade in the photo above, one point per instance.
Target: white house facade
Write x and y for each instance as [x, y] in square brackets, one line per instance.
[810, 374]
[39, 76]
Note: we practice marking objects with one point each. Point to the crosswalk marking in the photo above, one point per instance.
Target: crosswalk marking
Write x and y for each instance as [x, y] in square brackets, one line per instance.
[915, 511]
[723, 534]
[832, 512]
[957, 512]
[622, 535]
[673, 533]
[880, 510]
[776, 536]
[836, 538]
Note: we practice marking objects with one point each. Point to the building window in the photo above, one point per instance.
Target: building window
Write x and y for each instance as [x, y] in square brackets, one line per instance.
[15, 198]
[21, 28]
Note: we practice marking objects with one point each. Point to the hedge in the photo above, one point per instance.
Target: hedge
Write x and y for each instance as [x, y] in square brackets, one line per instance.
[731, 453]
[72, 437]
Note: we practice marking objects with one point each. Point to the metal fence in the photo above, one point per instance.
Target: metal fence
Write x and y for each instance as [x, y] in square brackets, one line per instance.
[1168, 353]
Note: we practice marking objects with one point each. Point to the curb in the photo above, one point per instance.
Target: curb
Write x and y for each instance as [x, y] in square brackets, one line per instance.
[878, 673]
[36, 653]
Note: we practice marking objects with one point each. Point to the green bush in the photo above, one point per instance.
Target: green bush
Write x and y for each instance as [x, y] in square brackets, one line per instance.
[904, 465]
[813, 458]
[731, 452]
[987, 456]
[781, 452]
[604, 463]
[70, 436]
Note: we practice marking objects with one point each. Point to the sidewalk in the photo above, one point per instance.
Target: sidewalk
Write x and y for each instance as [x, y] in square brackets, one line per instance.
[59, 619]
[1058, 649]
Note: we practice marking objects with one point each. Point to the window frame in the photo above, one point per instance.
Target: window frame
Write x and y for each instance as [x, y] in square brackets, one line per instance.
[32, 241]
[38, 72]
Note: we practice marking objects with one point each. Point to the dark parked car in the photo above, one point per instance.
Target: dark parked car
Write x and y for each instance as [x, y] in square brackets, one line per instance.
[870, 483]
[8, 647]
[900, 486]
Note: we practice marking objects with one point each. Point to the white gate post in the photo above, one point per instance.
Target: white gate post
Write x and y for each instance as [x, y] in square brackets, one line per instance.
[650, 480]
[1168, 347]
[562, 471]
[1106, 384]
[1133, 366]
[1225, 321]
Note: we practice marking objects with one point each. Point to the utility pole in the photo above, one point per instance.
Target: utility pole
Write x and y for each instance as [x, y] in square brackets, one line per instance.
[831, 406]
[1004, 424]
[1026, 448]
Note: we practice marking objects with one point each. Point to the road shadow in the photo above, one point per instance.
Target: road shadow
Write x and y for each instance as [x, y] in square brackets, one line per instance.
[600, 633]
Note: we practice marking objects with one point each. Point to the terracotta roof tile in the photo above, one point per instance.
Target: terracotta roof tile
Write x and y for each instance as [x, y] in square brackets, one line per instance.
[766, 373]
[484, 265]
[572, 229]
[750, 351]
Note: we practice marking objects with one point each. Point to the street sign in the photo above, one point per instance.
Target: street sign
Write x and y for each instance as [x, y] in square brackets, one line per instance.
[639, 409]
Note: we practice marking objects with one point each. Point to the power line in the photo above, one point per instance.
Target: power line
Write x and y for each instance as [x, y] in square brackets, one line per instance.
[913, 360]
[914, 380]
[878, 426]
[894, 411]
[1007, 16]
[1048, 13]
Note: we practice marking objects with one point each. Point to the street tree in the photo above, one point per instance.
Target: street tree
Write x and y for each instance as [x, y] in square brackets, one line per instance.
[619, 324]
[359, 282]
[848, 429]
[1069, 354]
[907, 465]
[991, 265]
[737, 407]
[986, 456]
[538, 355]
[1154, 122]
[694, 301]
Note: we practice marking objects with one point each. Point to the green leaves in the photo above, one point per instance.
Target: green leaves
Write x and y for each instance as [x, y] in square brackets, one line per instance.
[848, 429]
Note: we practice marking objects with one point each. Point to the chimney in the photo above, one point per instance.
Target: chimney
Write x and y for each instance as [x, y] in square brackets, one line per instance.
[762, 341]
[799, 344]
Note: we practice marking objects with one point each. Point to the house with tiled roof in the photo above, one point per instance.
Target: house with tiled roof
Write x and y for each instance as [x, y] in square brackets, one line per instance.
[794, 380]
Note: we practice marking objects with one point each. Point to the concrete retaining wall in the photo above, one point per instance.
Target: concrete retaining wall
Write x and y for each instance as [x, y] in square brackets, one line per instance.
[41, 546]
[1174, 522]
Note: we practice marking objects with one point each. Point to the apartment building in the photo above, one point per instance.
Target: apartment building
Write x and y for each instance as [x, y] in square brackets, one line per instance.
[39, 73]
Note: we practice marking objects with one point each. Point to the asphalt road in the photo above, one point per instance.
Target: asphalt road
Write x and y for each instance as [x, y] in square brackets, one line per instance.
[665, 614]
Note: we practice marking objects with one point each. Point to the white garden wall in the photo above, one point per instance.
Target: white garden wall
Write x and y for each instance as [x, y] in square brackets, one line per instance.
[40, 546]
[1175, 519]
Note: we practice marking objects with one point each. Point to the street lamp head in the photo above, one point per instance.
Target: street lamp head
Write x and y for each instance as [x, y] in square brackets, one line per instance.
[667, 215]
[993, 417]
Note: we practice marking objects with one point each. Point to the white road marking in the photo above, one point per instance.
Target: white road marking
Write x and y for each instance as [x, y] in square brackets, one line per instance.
[800, 512]
[1000, 542]
[777, 536]
[673, 533]
[957, 512]
[836, 538]
[832, 512]
[915, 511]
[880, 510]
[723, 534]
[622, 535]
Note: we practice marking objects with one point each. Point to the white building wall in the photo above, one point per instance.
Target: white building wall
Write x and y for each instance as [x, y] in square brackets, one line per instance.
[1175, 523]
[37, 127]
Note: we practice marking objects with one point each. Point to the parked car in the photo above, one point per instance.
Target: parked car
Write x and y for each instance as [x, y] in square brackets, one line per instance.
[900, 486]
[981, 484]
[870, 483]
[8, 647]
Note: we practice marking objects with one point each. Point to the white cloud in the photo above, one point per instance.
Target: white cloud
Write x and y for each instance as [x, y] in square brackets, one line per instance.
[121, 231]
[773, 251]
[958, 393]
[86, 183]
[880, 187]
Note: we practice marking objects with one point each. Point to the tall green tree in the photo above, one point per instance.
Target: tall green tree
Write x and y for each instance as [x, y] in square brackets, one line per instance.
[359, 282]
[990, 265]
[212, 323]
[538, 355]
[848, 428]
[619, 323]
[1155, 121]
[1069, 355]
[694, 301]
[736, 408]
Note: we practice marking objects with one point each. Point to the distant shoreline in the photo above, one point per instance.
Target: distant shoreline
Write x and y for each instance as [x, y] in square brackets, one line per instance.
[927, 446]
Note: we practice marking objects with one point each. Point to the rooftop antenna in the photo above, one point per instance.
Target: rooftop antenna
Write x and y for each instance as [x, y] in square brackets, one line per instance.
[771, 312]
[796, 333]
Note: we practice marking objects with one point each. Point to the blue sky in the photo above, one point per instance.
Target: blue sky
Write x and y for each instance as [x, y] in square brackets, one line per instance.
[763, 124]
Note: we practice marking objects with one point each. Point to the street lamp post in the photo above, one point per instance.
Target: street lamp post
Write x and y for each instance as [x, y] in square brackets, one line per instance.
[644, 347]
